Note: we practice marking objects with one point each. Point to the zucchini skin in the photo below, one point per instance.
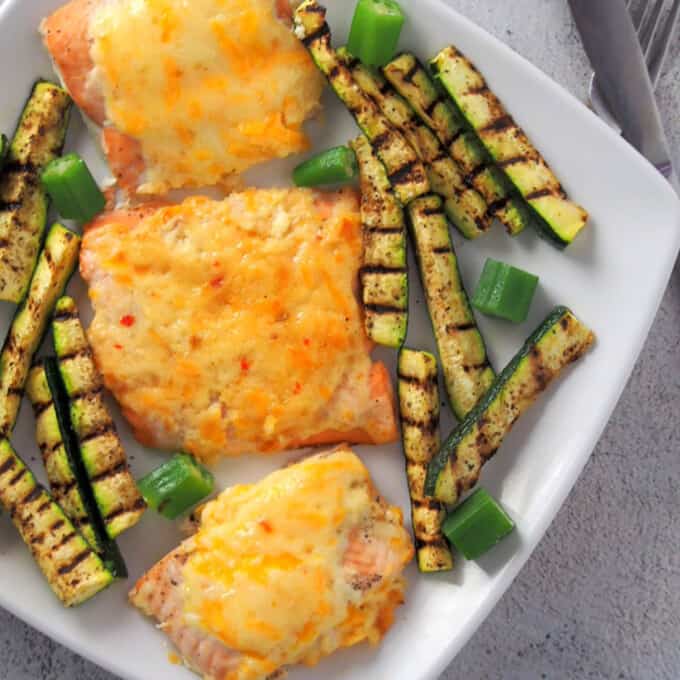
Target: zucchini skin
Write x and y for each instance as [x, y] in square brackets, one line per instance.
[55, 266]
[404, 169]
[105, 465]
[464, 206]
[419, 412]
[560, 340]
[73, 570]
[557, 219]
[39, 138]
[467, 371]
[413, 82]
[64, 465]
[383, 276]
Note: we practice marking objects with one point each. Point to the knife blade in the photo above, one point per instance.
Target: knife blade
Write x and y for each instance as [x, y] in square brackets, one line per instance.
[612, 45]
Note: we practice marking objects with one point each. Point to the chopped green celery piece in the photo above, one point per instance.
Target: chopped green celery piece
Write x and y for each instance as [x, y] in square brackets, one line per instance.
[176, 486]
[477, 525]
[375, 31]
[333, 166]
[504, 291]
[71, 186]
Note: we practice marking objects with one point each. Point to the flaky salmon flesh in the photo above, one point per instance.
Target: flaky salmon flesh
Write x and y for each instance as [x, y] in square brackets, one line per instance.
[211, 89]
[233, 326]
[282, 572]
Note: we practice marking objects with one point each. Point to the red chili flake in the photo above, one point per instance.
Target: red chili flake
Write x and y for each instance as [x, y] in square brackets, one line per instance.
[217, 281]
[266, 526]
[297, 389]
[306, 342]
[117, 346]
[127, 320]
[245, 365]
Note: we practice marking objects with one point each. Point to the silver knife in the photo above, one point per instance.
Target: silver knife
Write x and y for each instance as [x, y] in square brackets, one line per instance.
[613, 48]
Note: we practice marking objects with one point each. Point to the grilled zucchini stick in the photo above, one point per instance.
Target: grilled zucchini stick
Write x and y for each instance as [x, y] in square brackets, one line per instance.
[383, 275]
[55, 266]
[404, 169]
[39, 138]
[558, 341]
[60, 474]
[419, 411]
[105, 545]
[4, 148]
[464, 206]
[467, 371]
[559, 219]
[119, 501]
[410, 79]
[73, 570]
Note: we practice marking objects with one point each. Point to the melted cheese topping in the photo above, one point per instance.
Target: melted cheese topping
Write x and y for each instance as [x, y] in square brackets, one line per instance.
[233, 326]
[209, 87]
[289, 569]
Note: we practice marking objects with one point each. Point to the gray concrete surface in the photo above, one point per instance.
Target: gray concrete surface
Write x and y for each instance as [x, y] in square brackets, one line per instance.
[600, 598]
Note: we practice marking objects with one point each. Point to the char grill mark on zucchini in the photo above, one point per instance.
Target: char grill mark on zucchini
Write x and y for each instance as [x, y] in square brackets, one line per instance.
[73, 570]
[558, 219]
[383, 275]
[467, 371]
[60, 473]
[557, 342]
[412, 81]
[115, 491]
[55, 266]
[39, 138]
[404, 169]
[419, 411]
[465, 207]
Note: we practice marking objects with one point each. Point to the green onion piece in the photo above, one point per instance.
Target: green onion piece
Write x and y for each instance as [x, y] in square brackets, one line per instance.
[176, 486]
[477, 525]
[4, 148]
[375, 31]
[505, 291]
[333, 166]
[71, 186]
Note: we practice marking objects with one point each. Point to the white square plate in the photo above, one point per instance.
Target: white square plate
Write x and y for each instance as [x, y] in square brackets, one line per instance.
[613, 277]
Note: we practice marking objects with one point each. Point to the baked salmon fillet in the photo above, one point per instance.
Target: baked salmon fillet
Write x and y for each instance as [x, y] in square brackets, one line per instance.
[282, 572]
[227, 327]
[186, 94]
